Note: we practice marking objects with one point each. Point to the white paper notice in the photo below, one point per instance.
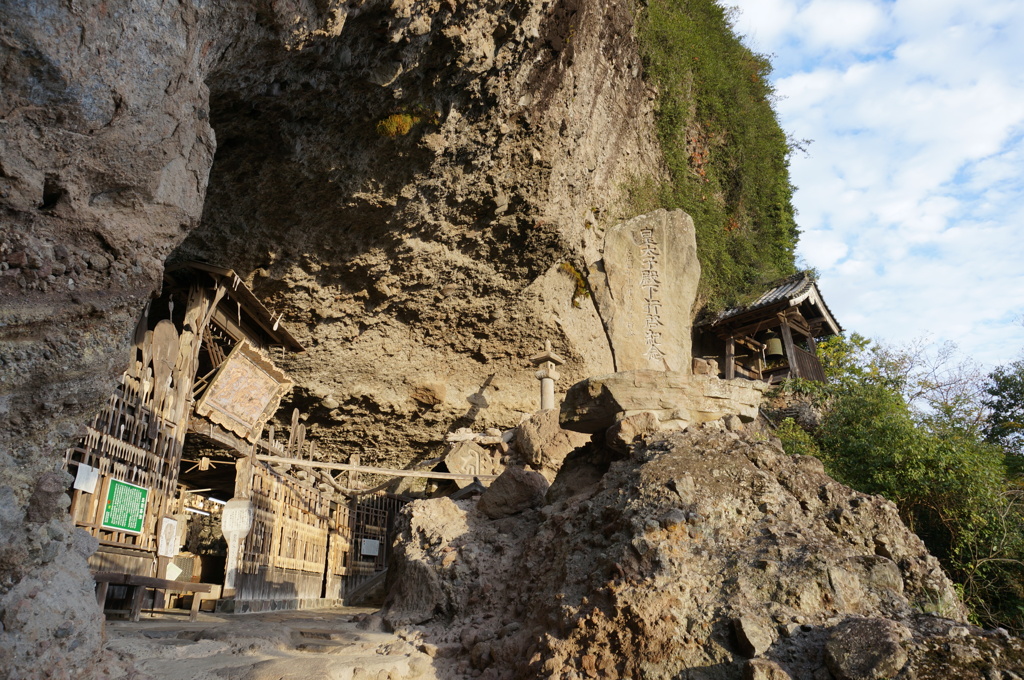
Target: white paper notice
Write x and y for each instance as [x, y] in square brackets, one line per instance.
[168, 544]
[86, 478]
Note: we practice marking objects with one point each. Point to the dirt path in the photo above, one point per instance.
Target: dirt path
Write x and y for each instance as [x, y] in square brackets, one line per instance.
[290, 645]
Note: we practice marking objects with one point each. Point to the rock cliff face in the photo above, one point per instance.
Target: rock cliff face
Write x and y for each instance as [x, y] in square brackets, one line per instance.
[704, 554]
[418, 186]
[419, 194]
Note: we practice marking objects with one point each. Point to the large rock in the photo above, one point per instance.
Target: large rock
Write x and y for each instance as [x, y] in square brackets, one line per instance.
[675, 398]
[418, 269]
[645, 287]
[866, 649]
[513, 491]
[414, 590]
[702, 549]
[542, 443]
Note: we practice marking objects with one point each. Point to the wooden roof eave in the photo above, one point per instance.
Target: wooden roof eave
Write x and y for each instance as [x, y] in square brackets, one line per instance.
[763, 318]
[263, 317]
[825, 318]
[750, 322]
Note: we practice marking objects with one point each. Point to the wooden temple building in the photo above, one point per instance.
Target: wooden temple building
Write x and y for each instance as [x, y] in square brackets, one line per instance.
[774, 337]
[167, 476]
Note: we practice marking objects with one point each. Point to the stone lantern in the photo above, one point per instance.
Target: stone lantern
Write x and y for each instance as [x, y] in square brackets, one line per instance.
[546, 361]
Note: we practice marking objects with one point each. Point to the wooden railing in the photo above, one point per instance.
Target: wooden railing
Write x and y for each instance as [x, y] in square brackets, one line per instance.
[806, 365]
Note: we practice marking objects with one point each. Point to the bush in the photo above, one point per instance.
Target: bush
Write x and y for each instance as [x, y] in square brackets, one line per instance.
[397, 125]
[795, 440]
[950, 489]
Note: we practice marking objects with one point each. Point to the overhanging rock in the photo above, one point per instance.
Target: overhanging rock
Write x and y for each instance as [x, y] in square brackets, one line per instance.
[677, 399]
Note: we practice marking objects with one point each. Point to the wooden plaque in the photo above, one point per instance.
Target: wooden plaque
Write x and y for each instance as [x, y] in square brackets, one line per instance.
[245, 393]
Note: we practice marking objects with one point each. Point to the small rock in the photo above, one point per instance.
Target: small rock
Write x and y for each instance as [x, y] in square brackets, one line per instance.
[673, 519]
[99, 262]
[763, 669]
[430, 393]
[621, 436]
[684, 486]
[754, 636]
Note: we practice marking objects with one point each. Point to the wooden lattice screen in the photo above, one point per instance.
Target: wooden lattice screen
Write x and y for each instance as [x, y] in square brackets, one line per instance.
[138, 436]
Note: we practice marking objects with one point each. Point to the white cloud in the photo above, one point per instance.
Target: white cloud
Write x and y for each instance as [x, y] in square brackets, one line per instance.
[839, 24]
[766, 21]
[910, 200]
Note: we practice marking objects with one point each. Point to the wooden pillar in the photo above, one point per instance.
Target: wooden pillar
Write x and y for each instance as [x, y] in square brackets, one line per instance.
[730, 358]
[811, 344]
[787, 342]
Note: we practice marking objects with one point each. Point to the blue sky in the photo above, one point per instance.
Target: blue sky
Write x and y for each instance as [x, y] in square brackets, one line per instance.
[911, 194]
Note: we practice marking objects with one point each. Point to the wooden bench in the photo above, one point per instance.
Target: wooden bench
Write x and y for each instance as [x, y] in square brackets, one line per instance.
[139, 585]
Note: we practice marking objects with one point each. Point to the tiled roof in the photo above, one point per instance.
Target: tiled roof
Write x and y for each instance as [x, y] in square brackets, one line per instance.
[794, 289]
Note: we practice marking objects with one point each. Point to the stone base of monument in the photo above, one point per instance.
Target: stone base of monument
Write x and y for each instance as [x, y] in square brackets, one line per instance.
[676, 399]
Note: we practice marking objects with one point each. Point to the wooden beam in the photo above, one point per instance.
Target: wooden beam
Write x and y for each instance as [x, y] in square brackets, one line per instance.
[730, 358]
[298, 462]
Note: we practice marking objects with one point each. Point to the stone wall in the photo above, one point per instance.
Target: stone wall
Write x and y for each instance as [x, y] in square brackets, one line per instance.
[676, 399]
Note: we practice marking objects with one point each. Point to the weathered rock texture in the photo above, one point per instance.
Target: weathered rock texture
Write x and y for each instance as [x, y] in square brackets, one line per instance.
[542, 444]
[420, 194]
[405, 180]
[707, 554]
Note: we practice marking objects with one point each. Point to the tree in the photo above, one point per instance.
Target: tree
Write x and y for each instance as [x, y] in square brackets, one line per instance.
[1005, 424]
[943, 389]
[907, 423]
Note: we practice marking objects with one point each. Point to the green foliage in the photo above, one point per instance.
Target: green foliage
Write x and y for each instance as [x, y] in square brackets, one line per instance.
[843, 358]
[582, 291]
[949, 484]
[795, 440]
[727, 156]
[1004, 395]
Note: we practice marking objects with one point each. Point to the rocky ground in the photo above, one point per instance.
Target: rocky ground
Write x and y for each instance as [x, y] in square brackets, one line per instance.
[342, 644]
[704, 554]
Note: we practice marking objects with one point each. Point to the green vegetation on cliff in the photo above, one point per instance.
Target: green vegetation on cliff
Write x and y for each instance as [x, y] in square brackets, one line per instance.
[726, 153]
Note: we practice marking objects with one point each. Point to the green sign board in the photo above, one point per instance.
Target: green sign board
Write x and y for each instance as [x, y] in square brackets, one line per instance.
[125, 509]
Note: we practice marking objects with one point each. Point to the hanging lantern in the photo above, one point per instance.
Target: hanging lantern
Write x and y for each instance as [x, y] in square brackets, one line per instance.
[774, 346]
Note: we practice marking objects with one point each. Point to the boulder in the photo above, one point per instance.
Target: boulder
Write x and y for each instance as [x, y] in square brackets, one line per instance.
[513, 491]
[543, 444]
[623, 434]
[866, 649]
[753, 635]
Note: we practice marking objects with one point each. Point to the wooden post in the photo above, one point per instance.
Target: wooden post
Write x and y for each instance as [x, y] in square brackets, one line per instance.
[787, 342]
[353, 476]
[730, 358]
[243, 476]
